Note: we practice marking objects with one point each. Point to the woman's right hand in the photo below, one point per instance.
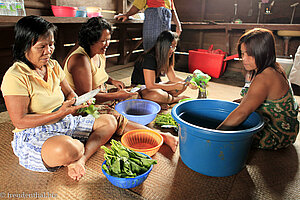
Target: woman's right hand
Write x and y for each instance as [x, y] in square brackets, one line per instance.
[68, 108]
[122, 17]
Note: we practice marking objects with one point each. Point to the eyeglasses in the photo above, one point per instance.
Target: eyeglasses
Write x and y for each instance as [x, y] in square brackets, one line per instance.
[173, 48]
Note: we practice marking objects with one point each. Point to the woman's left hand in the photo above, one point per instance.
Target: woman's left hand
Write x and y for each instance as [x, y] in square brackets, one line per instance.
[119, 84]
[179, 87]
[193, 85]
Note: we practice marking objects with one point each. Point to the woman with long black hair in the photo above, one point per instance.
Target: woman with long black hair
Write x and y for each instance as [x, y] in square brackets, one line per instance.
[153, 64]
[270, 93]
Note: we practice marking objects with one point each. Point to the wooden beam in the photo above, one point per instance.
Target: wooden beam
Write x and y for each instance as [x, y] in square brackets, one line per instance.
[203, 5]
[122, 6]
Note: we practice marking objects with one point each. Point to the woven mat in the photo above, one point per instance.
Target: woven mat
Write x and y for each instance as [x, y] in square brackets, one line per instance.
[16, 180]
[268, 175]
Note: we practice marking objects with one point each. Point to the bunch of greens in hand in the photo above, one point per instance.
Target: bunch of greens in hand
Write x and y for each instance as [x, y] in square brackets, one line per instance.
[123, 162]
[91, 109]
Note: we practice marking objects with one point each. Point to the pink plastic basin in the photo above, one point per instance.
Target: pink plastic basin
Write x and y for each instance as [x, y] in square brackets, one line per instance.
[63, 11]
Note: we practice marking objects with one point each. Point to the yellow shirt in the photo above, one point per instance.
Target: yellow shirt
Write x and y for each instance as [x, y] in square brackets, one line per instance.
[99, 75]
[140, 4]
[44, 96]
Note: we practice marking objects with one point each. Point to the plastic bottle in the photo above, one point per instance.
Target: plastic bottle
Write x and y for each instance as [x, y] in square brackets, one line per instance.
[201, 79]
[12, 8]
[20, 8]
[202, 94]
[2, 8]
[200, 76]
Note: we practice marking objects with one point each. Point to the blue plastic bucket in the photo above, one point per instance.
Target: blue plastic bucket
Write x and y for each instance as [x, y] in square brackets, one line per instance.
[207, 150]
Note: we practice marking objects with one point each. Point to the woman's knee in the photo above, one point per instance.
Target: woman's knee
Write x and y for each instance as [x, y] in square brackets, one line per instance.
[61, 150]
[107, 121]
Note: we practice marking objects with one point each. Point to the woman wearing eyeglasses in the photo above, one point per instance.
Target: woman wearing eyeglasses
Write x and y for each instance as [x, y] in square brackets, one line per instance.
[154, 63]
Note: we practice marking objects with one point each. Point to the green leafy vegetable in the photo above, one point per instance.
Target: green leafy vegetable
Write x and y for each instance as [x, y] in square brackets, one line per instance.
[165, 119]
[90, 110]
[123, 162]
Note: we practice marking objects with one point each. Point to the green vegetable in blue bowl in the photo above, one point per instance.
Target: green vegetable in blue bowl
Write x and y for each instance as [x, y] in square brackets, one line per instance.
[125, 168]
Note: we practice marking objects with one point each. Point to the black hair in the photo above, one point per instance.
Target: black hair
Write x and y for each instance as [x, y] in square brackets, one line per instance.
[260, 44]
[161, 50]
[27, 32]
[91, 32]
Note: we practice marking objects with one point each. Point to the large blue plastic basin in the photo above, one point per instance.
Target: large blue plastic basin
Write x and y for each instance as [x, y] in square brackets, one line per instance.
[207, 150]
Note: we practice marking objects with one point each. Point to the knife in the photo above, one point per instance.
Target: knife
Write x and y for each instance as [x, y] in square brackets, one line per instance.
[87, 96]
[187, 80]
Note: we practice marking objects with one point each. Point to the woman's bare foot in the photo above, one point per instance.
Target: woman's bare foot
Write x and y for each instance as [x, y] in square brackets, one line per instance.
[170, 140]
[76, 170]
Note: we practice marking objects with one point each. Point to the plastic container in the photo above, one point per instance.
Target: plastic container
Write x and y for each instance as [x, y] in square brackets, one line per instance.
[93, 11]
[209, 151]
[63, 11]
[142, 140]
[127, 182]
[81, 12]
[210, 63]
[138, 110]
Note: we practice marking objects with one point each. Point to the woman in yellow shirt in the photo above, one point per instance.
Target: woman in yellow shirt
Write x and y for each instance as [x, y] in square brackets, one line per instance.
[33, 87]
[85, 70]
[85, 66]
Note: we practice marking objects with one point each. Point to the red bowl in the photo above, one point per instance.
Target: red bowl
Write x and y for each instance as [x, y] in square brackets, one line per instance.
[63, 11]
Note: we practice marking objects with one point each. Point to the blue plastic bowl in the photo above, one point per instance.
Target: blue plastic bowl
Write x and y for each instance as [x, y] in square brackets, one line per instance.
[207, 150]
[127, 182]
[138, 110]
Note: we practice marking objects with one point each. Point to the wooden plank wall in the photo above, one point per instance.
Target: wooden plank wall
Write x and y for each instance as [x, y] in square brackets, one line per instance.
[223, 10]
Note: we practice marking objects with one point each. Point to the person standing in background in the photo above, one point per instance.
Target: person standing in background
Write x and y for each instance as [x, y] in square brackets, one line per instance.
[158, 16]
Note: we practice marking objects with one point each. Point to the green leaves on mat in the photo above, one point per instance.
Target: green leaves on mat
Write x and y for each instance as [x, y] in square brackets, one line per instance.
[123, 162]
[165, 119]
